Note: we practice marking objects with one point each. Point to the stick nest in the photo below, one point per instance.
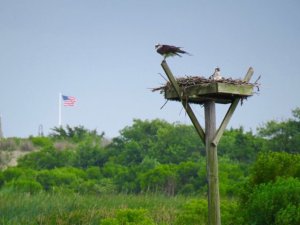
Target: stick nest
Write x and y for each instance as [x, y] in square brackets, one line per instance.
[190, 81]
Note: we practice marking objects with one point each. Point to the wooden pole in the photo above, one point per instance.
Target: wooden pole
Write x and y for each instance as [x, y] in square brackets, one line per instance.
[230, 111]
[184, 102]
[211, 139]
[214, 214]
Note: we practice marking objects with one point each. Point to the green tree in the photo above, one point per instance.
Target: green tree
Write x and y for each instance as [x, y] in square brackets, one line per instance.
[271, 165]
[156, 139]
[177, 143]
[14, 173]
[132, 153]
[148, 163]
[87, 154]
[273, 203]
[61, 177]
[94, 173]
[240, 145]
[161, 179]
[126, 180]
[23, 185]
[111, 169]
[136, 142]
[289, 215]
[41, 141]
[1, 179]
[188, 177]
[283, 136]
[47, 158]
[272, 186]
[231, 176]
[75, 134]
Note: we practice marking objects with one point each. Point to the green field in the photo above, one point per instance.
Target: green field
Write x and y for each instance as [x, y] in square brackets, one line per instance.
[62, 208]
[45, 208]
[146, 176]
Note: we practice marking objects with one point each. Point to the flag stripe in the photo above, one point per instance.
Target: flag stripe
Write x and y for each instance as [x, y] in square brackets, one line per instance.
[69, 100]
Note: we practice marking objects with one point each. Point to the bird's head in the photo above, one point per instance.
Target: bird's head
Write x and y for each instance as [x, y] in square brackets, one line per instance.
[157, 45]
[217, 69]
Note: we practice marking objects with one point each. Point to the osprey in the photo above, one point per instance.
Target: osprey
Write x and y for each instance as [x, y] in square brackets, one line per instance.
[216, 75]
[169, 50]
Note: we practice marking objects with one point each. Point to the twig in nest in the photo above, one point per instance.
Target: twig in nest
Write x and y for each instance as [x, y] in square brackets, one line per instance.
[163, 77]
[181, 110]
[164, 104]
[257, 79]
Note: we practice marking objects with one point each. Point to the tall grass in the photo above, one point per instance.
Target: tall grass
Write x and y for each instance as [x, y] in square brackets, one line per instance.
[61, 208]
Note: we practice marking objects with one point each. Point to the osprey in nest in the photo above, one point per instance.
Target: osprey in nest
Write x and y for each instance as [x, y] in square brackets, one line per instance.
[216, 75]
[169, 50]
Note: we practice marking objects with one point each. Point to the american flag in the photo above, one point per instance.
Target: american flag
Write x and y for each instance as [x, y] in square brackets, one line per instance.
[69, 100]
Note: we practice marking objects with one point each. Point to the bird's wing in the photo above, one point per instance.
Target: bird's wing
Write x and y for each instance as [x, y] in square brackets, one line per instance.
[167, 49]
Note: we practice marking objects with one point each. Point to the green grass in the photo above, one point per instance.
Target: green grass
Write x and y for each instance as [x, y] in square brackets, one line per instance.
[60, 208]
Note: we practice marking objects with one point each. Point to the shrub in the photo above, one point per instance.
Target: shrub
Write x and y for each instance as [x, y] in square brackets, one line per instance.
[89, 187]
[47, 158]
[88, 154]
[103, 186]
[15, 173]
[72, 171]
[195, 212]
[271, 165]
[273, 203]
[93, 172]
[230, 175]
[46, 179]
[23, 185]
[1, 179]
[12, 173]
[41, 141]
[65, 177]
[160, 179]
[290, 215]
[129, 217]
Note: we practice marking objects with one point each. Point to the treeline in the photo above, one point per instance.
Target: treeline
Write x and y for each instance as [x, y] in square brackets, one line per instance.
[149, 156]
[261, 170]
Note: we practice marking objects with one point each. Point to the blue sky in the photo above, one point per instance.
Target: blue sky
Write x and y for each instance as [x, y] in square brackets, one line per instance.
[102, 52]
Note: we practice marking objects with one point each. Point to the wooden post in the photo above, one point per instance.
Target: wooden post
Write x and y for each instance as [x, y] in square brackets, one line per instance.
[214, 214]
[184, 102]
[211, 138]
[230, 112]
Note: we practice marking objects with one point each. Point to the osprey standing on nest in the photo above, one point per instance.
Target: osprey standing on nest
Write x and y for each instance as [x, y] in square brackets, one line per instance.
[169, 50]
[216, 75]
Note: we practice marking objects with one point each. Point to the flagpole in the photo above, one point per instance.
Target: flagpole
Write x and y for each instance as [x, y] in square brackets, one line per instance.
[59, 109]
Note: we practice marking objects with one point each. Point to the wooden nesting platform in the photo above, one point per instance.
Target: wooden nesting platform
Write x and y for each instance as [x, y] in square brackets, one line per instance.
[199, 90]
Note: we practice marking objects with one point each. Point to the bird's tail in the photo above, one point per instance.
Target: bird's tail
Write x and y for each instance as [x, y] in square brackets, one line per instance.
[184, 52]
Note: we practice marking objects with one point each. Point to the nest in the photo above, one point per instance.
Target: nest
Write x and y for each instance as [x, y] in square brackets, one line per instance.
[190, 81]
[194, 90]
